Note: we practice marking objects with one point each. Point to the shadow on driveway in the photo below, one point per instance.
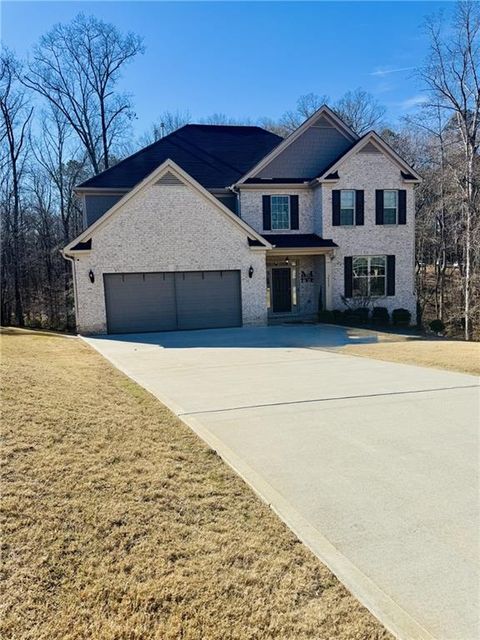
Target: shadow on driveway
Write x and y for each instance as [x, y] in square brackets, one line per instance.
[296, 336]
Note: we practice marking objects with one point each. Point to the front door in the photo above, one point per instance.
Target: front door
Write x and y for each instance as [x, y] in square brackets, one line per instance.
[281, 289]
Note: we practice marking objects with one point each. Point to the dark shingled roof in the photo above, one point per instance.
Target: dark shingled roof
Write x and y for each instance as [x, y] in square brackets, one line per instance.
[214, 155]
[277, 180]
[297, 240]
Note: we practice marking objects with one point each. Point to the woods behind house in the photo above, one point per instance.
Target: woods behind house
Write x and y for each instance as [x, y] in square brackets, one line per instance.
[64, 119]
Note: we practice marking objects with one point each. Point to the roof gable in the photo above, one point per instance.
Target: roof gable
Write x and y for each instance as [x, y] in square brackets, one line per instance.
[305, 153]
[168, 174]
[370, 143]
[214, 155]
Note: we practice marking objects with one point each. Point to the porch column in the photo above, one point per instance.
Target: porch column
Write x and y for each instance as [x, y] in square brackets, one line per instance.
[328, 282]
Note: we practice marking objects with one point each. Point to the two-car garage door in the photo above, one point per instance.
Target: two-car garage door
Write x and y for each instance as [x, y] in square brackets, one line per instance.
[167, 301]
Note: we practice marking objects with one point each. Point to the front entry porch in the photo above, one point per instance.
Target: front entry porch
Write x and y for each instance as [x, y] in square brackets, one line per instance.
[297, 285]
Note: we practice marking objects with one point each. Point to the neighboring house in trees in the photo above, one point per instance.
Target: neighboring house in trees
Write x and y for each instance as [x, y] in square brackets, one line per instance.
[219, 226]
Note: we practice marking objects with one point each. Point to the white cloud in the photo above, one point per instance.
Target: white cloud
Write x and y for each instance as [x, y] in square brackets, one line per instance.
[414, 101]
[381, 72]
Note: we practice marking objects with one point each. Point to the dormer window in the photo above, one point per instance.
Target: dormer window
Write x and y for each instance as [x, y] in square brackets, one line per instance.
[280, 212]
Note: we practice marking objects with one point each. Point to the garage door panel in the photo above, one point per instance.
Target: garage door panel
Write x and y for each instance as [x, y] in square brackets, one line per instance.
[208, 299]
[139, 302]
[166, 301]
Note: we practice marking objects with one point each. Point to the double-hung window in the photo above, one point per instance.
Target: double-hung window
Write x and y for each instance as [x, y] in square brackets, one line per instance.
[390, 206]
[280, 212]
[347, 207]
[369, 276]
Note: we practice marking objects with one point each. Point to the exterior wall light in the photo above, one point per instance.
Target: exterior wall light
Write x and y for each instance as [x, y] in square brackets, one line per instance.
[91, 275]
[287, 260]
[250, 272]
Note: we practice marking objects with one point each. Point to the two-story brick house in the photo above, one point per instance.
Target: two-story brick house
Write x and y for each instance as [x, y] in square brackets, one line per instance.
[216, 226]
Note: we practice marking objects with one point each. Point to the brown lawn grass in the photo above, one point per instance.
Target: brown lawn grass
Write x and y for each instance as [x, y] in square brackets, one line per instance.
[119, 523]
[453, 355]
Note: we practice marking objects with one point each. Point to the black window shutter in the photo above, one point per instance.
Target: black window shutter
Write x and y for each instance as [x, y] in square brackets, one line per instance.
[336, 207]
[379, 206]
[267, 218]
[359, 207]
[402, 206]
[293, 212]
[390, 275]
[348, 274]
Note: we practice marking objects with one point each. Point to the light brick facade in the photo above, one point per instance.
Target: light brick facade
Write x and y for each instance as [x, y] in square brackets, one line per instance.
[180, 227]
[250, 208]
[366, 171]
[371, 171]
[167, 228]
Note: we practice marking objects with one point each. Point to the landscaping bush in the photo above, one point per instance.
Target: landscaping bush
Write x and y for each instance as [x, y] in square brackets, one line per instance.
[326, 316]
[357, 315]
[401, 317]
[338, 316]
[380, 315]
[350, 316]
[363, 314]
[437, 326]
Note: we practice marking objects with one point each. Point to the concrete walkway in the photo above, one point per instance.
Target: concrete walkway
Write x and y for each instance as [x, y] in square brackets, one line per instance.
[374, 465]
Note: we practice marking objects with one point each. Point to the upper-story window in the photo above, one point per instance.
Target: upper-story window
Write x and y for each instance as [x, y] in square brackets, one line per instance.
[390, 206]
[347, 207]
[280, 212]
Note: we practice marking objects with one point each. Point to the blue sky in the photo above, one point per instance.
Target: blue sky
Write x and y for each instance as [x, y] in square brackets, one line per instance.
[250, 59]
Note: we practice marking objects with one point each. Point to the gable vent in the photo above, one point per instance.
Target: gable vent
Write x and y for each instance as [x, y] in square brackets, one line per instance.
[169, 180]
[322, 123]
[369, 148]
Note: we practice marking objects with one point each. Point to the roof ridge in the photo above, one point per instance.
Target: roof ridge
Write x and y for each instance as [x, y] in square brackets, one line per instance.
[229, 126]
[207, 153]
[195, 150]
[223, 150]
[172, 136]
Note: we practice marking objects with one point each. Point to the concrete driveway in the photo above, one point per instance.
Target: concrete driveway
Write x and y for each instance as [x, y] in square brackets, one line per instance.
[374, 465]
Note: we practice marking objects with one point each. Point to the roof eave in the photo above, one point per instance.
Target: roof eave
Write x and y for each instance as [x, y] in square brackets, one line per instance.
[110, 190]
[301, 250]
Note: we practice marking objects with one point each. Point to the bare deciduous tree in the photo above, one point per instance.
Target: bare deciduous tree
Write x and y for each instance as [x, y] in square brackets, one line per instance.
[306, 106]
[222, 118]
[360, 110]
[452, 77]
[61, 165]
[16, 114]
[166, 123]
[76, 67]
